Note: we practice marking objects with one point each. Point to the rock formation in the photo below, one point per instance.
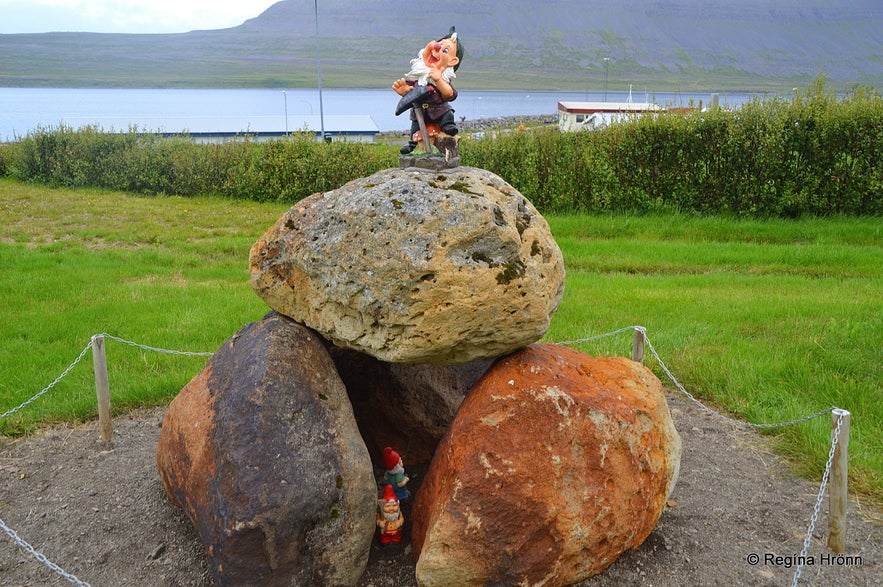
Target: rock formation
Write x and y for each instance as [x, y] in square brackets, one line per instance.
[409, 406]
[262, 452]
[395, 294]
[555, 464]
[414, 266]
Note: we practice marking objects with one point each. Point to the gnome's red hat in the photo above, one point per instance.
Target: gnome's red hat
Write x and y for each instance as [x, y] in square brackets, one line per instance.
[389, 495]
[390, 458]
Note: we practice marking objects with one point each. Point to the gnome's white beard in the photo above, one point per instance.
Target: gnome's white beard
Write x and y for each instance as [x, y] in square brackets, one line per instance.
[390, 517]
[420, 72]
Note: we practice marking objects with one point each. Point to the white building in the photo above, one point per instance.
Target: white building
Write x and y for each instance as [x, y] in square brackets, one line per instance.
[577, 116]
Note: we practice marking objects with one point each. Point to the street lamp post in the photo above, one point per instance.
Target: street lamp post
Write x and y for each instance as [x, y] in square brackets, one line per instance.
[606, 74]
[319, 71]
[285, 99]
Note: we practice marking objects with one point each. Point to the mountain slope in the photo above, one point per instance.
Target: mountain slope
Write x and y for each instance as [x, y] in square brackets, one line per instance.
[559, 44]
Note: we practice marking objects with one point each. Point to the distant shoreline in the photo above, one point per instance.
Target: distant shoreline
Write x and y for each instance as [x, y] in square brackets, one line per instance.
[481, 124]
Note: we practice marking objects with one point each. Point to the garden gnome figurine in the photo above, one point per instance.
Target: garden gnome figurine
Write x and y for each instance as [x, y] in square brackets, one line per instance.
[395, 473]
[426, 90]
[389, 518]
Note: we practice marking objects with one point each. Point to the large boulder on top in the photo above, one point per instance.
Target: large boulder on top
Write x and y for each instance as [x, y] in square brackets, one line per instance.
[415, 266]
[555, 464]
[262, 452]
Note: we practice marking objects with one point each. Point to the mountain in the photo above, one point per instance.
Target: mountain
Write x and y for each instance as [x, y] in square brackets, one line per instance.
[517, 44]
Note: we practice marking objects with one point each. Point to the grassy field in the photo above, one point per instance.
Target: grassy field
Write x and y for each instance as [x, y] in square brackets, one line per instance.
[767, 320]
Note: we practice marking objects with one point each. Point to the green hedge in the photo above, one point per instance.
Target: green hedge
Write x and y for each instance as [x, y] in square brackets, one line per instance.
[5, 153]
[286, 170]
[812, 154]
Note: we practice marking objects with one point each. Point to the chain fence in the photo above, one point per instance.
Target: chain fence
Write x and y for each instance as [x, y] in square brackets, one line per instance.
[12, 533]
[817, 507]
[638, 330]
[40, 557]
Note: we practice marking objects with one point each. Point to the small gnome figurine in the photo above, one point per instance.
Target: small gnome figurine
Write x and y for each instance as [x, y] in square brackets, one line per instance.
[389, 518]
[427, 87]
[395, 473]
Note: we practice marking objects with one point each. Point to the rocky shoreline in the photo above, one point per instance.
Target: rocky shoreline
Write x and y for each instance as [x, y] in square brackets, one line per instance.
[483, 124]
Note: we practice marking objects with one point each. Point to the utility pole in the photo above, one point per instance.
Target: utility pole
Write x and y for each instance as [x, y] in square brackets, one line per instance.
[319, 71]
[285, 100]
[606, 74]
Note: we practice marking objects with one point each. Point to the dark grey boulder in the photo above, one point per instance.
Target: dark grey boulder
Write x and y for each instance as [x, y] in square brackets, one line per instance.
[262, 452]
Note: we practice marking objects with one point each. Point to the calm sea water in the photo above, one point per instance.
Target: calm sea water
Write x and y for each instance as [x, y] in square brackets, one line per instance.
[25, 109]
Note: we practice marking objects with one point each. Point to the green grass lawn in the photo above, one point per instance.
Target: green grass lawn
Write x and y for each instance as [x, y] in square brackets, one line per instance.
[767, 320]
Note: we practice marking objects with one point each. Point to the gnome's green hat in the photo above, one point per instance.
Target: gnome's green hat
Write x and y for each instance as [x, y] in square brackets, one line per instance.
[452, 34]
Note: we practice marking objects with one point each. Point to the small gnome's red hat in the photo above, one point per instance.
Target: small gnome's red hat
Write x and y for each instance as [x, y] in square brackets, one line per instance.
[390, 458]
[389, 495]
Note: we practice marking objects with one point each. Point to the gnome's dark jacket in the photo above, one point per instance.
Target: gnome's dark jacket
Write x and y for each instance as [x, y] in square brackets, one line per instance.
[436, 109]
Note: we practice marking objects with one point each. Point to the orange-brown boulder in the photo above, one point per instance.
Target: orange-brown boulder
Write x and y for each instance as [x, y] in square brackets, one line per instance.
[556, 463]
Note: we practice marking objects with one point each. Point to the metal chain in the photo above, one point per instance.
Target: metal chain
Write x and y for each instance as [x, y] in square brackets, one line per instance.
[835, 437]
[600, 336]
[681, 388]
[40, 557]
[815, 511]
[9, 531]
[50, 386]
[80, 358]
[151, 348]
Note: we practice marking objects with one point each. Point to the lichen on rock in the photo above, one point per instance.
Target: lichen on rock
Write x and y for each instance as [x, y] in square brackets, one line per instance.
[414, 266]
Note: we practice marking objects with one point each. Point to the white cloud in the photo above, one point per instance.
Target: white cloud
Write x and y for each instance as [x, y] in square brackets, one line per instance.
[130, 16]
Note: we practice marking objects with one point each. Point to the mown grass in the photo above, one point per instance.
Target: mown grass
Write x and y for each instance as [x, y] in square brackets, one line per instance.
[767, 320]
[169, 272]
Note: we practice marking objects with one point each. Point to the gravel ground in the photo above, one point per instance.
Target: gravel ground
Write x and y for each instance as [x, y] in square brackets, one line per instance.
[98, 510]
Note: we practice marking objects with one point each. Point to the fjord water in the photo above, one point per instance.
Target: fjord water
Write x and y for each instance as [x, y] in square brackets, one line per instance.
[23, 110]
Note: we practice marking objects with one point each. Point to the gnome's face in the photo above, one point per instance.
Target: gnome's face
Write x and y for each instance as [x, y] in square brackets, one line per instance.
[391, 510]
[440, 54]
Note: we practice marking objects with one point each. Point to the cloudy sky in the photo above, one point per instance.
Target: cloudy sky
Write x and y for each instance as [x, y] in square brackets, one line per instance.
[125, 16]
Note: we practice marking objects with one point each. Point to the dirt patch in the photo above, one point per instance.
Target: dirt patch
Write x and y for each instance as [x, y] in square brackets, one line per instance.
[99, 512]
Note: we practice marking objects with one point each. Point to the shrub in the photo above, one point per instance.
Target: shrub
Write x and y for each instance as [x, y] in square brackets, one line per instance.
[814, 153]
[5, 152]
[287, 169]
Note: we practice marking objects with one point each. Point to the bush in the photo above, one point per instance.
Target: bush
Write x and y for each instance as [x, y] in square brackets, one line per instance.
[286, 169]
[5, 151]
[811, 154]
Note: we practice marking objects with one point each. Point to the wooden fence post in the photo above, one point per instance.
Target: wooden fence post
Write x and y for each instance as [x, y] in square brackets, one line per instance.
[102, 387]
[838, 483]
[638, 345]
